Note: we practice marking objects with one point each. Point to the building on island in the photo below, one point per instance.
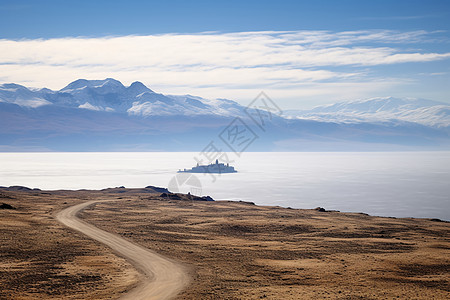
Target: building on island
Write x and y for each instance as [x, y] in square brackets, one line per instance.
[217, 167]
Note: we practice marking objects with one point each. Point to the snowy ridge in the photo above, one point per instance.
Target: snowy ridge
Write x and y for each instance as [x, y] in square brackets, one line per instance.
[110, 95]
[105, 115]
[20, 95]
[386, 109]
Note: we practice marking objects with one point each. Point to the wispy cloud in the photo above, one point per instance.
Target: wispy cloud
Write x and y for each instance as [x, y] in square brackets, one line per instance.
[219, 64]
[396, 18]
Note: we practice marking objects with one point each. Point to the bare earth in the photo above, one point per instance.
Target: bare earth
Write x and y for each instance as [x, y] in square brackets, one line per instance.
[232, 250]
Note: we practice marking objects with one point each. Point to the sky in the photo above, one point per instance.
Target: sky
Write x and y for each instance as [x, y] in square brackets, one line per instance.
[300, 53]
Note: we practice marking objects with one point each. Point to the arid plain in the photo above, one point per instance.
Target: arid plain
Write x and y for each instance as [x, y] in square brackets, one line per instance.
[231, 250]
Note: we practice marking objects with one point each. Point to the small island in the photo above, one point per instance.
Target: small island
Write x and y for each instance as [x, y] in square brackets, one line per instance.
[217, 167]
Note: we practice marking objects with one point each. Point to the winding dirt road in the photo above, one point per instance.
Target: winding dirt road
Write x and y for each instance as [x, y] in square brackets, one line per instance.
[164, 278]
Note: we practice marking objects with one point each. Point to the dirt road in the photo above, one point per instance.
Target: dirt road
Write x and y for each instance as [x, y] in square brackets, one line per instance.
[163, 278]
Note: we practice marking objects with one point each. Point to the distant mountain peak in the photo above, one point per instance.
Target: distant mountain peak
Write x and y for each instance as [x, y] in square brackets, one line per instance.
[105, 112]
[110, 95]
[415, 110]
[77, 84]
[84, 83]
[12, 86]
[112, 82]
[138, 87]
[394, 100]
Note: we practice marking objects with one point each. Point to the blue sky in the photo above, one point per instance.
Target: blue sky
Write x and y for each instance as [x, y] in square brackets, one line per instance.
[302, 53]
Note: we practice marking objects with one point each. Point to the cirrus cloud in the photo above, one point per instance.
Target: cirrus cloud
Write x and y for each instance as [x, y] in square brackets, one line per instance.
[288, 63]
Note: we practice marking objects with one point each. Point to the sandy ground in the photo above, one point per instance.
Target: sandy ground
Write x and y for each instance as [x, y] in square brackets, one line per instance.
[233, 250]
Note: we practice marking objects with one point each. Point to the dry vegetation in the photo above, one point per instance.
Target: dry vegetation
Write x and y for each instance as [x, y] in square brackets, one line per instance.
[234, 250]
[42, 259]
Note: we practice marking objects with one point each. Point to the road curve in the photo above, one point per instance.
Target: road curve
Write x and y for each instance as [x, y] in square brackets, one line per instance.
[164, 278]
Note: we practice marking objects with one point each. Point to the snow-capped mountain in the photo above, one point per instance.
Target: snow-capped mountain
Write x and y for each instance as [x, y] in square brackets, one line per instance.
[388, 109]
[20, 95]
[105, 115]
[110, 95]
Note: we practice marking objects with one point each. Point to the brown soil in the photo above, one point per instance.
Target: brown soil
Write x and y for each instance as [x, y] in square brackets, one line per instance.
[42, 259]
[234, 250]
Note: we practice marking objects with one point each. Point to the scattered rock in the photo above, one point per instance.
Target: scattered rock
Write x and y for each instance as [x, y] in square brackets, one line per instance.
[158, 189]
[19, 188]
[247, 202]
[438, 220]
[197, 198]
[170, 196]
[321, 209]
[6, 206]
[207, 198]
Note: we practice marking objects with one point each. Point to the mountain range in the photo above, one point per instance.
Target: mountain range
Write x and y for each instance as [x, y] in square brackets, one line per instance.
[105, 115]
[421, 111]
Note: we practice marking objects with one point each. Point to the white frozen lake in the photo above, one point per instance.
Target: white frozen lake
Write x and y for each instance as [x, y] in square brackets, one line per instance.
[399, 184]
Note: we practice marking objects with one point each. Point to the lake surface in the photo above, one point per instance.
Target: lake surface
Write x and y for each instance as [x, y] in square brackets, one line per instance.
[399, 184]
